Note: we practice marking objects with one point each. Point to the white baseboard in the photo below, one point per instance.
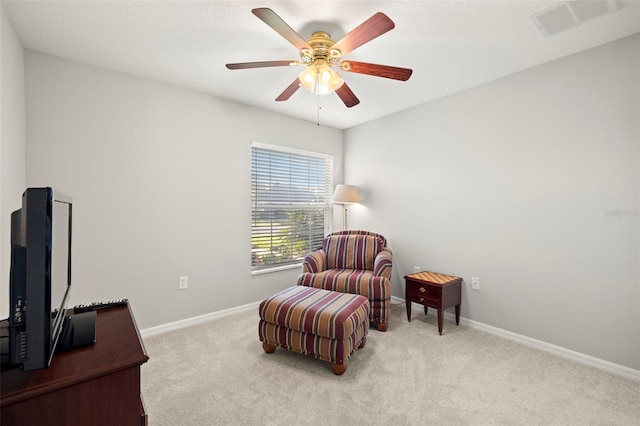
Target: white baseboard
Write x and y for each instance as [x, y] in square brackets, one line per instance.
[148, 332]
[610, 367]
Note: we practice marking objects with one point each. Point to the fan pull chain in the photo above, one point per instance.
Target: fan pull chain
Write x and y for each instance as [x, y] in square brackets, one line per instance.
[319, 108]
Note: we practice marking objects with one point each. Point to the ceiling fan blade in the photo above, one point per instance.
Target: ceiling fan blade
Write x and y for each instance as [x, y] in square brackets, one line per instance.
[263, 64]
[376, 70]
[290, 90]
[373, 27]
[270, 18]
[347, 96]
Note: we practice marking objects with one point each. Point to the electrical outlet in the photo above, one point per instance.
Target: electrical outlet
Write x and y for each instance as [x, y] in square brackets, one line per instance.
[183, 283]
[416, 269]
[475, 283]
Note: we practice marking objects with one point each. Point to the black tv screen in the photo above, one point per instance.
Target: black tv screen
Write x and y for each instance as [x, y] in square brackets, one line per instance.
[40, 277]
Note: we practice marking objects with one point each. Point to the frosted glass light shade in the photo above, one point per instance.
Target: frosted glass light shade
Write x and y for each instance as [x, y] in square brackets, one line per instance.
[320, 79]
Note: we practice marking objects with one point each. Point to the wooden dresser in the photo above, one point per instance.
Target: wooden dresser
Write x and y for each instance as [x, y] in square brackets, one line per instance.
[96, 385]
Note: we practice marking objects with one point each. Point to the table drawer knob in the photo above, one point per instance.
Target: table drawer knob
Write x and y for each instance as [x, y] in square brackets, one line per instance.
[422, 299]
[422, 290]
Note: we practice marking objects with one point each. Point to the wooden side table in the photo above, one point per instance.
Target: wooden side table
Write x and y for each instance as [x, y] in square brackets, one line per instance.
[434, 290]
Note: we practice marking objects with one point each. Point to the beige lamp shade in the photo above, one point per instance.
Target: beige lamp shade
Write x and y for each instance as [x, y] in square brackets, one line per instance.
[346, 194]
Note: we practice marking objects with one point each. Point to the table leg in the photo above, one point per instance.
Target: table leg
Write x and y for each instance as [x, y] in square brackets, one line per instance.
[425, 309]
[440, 320]
[408, 303]
[458, 314]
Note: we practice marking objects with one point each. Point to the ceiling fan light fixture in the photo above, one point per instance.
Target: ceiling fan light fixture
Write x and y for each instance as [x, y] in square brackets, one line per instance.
[320, 79]
[320, 53]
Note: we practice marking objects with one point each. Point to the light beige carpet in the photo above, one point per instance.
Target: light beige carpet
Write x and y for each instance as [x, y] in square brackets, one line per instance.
[216, 373]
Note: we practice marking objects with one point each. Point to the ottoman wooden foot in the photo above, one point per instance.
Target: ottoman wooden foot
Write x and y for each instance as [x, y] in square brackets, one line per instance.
[268, 348]
[364, 342]
[338, 369]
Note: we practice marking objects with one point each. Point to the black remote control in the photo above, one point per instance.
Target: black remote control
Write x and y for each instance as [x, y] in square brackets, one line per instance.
[94, 306]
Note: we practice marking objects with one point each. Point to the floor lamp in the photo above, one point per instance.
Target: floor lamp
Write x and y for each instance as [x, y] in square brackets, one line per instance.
[345, 195]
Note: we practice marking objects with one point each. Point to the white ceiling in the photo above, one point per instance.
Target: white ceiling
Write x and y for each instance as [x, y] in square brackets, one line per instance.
[450, 45]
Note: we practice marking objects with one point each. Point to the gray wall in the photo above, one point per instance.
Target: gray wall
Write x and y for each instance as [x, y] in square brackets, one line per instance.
[160, 178]
[12, 144]
[530, 183]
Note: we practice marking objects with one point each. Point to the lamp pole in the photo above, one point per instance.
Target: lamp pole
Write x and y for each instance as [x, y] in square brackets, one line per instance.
[344, 206]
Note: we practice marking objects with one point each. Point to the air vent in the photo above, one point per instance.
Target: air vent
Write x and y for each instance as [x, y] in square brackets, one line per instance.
[570, 14]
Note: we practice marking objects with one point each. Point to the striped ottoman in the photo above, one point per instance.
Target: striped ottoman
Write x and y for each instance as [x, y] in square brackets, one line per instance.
[320, 323]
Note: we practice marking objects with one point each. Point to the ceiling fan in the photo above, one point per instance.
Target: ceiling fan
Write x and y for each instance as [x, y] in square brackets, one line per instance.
[319, 54]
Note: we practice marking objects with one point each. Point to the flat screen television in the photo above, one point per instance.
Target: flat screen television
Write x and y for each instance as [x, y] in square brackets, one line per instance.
[40, 276]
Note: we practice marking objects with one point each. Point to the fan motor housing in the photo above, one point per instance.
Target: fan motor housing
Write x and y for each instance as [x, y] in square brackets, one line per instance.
[320, 42]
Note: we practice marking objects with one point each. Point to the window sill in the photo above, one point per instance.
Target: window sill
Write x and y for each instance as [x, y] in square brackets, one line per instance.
[277, 269]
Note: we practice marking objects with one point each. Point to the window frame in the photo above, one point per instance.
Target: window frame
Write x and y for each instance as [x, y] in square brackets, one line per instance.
[328, 206]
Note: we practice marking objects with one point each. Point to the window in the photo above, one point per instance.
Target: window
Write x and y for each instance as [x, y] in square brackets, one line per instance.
[290, 204]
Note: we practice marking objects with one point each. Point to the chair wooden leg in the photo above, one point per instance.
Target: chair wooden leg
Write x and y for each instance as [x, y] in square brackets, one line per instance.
[268, 348]
[382, 326]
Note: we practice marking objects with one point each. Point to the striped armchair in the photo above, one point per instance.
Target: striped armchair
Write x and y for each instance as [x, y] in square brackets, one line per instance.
[356, 262]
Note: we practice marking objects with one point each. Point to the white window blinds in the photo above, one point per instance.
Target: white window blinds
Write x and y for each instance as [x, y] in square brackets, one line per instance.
[290, 204]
